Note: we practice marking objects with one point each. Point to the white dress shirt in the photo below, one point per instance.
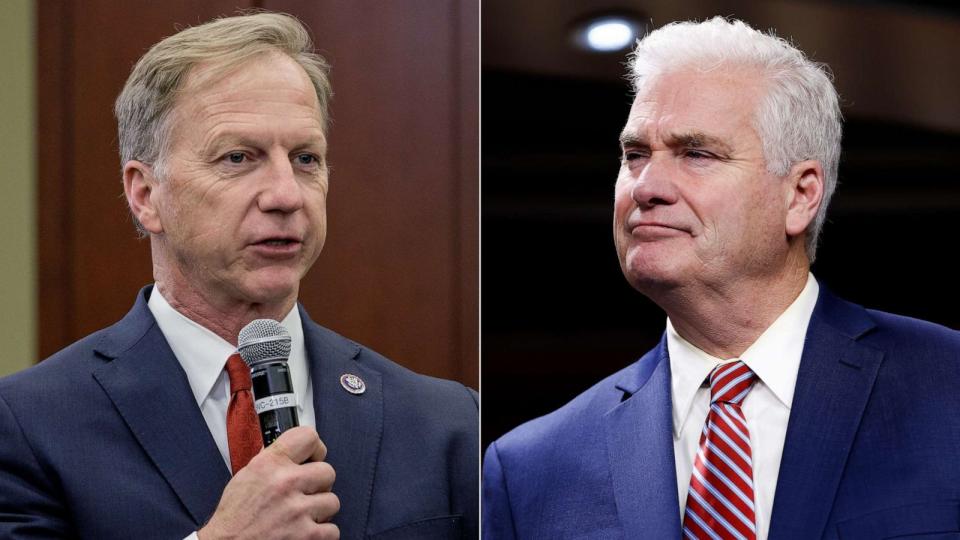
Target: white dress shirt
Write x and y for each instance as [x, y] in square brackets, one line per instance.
[203, 356]
[775, 359]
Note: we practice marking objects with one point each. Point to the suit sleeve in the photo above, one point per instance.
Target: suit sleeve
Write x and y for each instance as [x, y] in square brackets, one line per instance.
[497, 514]
[469, 480]
[28, 507]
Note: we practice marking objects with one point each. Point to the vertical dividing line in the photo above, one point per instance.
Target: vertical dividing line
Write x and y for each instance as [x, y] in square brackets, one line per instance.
[466, 68]
[465, 282]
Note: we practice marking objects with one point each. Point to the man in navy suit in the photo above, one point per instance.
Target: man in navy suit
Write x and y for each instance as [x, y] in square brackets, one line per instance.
[770, 408]
[133, 431]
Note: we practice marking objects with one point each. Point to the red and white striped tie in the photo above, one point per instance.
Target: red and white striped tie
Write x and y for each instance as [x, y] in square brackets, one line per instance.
[720, 498]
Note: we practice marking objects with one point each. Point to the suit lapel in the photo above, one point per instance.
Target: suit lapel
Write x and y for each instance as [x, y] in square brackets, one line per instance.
[151, 392]
[833, 385]
[351, 426]
[639, 434]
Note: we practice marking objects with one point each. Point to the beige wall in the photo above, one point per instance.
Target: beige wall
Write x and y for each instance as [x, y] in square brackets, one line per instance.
[18, 336]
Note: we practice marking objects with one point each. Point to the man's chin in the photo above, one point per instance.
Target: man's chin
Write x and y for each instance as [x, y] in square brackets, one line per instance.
[271, 291]
[649, 277]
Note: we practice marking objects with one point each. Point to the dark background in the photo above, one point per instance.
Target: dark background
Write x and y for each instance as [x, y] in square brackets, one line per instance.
[557, 315]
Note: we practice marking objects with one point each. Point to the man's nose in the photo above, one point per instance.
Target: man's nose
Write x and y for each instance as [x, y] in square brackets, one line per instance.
[282, 191]
[655, 184]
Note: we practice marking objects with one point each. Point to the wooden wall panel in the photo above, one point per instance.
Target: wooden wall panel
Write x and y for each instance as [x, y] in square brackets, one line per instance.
[398, 272]
[54, 176]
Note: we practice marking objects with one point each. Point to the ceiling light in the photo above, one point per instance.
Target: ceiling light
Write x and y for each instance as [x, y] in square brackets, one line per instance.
[608, 33]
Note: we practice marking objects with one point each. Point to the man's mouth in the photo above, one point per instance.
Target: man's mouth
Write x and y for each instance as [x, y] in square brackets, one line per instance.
[277, 242]
[282, 247]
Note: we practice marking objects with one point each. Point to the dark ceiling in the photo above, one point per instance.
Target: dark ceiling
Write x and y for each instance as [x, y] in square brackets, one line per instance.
[893, 60]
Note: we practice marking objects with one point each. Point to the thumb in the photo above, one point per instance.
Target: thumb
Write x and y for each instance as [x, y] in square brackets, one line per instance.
[298, 445]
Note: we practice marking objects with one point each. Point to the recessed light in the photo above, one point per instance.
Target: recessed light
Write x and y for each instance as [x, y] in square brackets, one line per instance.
[607, 33]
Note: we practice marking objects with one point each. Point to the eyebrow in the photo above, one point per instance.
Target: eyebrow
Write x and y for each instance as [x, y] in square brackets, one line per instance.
[627, 139]
[690, 139]
[228, 139]
[219, 142]
[697, 139]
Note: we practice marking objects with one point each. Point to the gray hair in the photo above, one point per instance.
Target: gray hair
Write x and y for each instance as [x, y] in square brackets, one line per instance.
[145, 104]
[799, 117]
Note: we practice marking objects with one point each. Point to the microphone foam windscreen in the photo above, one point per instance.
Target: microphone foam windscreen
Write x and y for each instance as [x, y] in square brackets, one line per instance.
[263, 340]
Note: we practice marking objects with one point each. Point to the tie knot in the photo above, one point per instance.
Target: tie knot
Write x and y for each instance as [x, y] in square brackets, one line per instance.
[729, 383]
[239, 373]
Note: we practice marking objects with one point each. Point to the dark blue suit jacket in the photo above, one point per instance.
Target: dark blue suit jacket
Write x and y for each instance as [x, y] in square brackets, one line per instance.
[872, 447]
[105, 440]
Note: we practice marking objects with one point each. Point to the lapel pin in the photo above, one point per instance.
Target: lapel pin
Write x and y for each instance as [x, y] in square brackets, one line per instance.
[353, 384]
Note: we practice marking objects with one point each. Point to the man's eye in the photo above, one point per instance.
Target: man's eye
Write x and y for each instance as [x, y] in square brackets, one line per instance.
[697, 154]
[307, 160]
[236, 157]
[632, 155]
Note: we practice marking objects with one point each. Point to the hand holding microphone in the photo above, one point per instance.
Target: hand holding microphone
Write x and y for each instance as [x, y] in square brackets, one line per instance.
[285, 490]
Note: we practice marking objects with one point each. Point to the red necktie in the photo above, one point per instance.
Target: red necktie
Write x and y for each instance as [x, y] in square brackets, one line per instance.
[720, 498]
[243, 427]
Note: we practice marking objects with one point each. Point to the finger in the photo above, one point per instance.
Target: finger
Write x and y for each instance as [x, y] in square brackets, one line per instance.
[299, 444]
[315, 477]
[326, 531]
[323, 506]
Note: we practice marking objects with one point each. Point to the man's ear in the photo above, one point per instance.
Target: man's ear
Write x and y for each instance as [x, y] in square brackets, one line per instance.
[806, 187]
[140, 186]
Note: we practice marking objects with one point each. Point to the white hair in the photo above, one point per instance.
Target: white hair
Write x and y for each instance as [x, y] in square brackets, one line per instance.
[799, 116]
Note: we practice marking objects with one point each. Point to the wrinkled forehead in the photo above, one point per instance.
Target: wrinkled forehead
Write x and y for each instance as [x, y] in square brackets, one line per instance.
[266, 73]
[263, 86]
[720, 101]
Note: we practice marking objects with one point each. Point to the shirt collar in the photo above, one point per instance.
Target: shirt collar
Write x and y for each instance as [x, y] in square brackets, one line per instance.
[774, 357]
[203, 354]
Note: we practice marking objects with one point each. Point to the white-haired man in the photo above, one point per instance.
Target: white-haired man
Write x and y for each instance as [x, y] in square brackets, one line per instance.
[147, 429]
[770, 408]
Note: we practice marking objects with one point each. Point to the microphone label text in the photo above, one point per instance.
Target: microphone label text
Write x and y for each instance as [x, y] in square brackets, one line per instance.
[278, 401]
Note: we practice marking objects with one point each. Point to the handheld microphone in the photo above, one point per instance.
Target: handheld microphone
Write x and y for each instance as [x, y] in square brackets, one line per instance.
[265, 346]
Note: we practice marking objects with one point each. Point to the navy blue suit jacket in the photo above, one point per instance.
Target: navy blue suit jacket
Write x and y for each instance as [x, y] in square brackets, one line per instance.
[105, 440]
[872, 447]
